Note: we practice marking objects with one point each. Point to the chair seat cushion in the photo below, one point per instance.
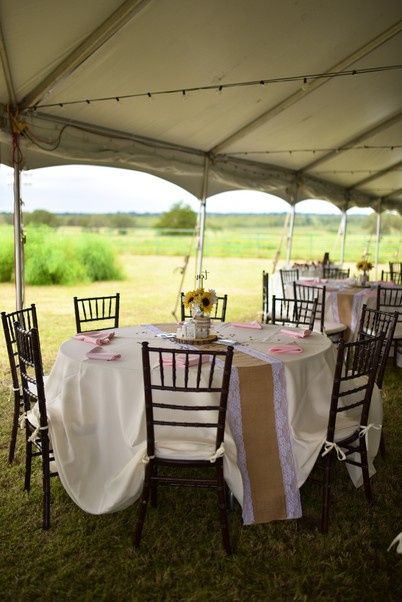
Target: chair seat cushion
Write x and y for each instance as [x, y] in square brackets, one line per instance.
[183, 449]
[398, 331]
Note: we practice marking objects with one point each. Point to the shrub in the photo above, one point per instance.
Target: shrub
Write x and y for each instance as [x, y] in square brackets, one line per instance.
[6, 255]
[50, 259]
[98, 259]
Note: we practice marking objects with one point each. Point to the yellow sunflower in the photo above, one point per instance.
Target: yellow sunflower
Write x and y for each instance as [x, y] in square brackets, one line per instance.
[206, 301]
[189, 298]
[364, 265]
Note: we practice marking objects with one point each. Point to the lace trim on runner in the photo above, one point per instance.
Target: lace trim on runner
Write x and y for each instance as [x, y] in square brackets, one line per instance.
[332, 302]
[292, 494]
[358, 300]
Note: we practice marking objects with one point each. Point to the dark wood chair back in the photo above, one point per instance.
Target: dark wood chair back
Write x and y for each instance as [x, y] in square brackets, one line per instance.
[308, 292]
[288, 277]
[183, 373]
[354, 379]
[372, 324]
[354, 361]
[27, 319]
[395, 277]
[92, 310]
[294, 312]
[218, 312]
[265, 297]
[33, 391]
[335, 273]
[389, 299]
[395, 267]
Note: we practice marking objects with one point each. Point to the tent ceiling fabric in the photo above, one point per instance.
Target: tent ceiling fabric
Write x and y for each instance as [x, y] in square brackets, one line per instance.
[279, 138]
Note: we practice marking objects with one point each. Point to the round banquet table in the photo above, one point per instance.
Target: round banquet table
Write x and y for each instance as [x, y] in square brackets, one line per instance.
[344, 301]
[97, 419]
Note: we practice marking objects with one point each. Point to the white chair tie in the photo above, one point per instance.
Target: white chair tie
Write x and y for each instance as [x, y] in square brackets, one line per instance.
[36, 431]
[218, 454]
[365, 429]
[398, 540]
[146, 458]
[329, 446]
[22, 419]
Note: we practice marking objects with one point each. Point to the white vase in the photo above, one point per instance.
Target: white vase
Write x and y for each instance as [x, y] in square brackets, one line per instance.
[364, 278]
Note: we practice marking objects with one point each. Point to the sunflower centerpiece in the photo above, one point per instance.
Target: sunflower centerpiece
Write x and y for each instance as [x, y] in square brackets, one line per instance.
[200, 302]
[364, 265]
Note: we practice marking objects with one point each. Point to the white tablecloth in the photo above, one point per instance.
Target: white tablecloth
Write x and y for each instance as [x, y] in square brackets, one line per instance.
[334, 289]
[97, 424]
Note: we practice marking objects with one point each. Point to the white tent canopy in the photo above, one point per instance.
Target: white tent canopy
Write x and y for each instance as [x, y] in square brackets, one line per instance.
[325, 134]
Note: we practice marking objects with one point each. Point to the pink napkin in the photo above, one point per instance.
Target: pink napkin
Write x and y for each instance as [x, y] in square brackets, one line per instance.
[101, 354]
[255, 325]
[299, 333]
[181, 360]
[291, 348]
[97, 338]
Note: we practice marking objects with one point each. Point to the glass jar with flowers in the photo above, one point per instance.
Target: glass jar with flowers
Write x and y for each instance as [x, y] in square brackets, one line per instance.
[200, 302]
[364, 266]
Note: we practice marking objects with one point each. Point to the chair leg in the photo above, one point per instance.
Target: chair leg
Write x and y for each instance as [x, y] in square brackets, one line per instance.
[28, 465]
[382, 444]
[326, 494]
[154, 487]
[365, 471]
[14, 431]
[223, 516]
[143, 505]
[46, 493]
[395, 362]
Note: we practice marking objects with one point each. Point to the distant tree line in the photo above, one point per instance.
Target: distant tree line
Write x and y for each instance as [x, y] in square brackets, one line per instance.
[181, 217]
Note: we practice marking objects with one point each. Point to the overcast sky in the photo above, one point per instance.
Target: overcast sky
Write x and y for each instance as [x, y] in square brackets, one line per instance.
[91, 189]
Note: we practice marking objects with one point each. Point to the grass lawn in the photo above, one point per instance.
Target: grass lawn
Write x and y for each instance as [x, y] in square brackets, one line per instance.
[85, 557]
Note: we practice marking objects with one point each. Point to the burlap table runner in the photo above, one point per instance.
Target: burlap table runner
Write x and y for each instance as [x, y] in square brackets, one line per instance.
[259, 434]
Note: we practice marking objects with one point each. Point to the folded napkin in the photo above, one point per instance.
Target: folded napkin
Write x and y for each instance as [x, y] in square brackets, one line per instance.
[299, 333]
[101, 354]
[256, 325]
[167, 360]
[96, 338]
[291, 348]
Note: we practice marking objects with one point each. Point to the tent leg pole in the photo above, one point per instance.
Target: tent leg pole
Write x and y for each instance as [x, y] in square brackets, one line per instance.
[343, 241]
[18, 240]
[378, 239]
[290, 235]
[201, 221]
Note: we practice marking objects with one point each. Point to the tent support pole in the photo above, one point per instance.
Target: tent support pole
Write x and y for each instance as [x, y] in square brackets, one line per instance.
[378, 238]
[343, 240]
[201, 220]
[290, 234]
[18, 239]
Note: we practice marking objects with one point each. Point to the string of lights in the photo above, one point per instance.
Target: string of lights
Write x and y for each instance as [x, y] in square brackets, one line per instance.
[305, 79]
[350, 172]
[319, 150]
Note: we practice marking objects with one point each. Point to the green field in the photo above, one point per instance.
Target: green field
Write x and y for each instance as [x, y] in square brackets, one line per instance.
[85, 557]
[308, 244]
